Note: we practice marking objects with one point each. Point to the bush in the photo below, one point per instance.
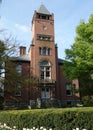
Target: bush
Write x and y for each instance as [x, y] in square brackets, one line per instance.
[87, 100]
[57, 119]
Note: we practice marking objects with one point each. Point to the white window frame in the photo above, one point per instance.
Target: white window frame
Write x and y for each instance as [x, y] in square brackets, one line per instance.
[68, 88]
[19, 68]
[43, 69]
[44, 51]
[45, 94]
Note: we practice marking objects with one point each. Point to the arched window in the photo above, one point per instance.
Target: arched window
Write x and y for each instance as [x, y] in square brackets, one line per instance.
[45, 70]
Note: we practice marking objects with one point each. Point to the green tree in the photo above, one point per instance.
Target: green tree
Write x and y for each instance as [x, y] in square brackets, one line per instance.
[79, 58]
[7, 50]
[9, 76]
[2, 53]
[3, 49]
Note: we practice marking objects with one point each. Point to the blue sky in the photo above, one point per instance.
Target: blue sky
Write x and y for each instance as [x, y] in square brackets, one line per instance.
[16, 16]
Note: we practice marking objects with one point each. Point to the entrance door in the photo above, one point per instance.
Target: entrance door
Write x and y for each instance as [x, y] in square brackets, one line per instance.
[45, 93]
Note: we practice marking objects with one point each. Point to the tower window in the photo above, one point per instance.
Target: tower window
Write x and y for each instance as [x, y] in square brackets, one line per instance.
[45, 70]
[41, 16]
[44, 17]
[48, 51]
[44, 37]
[44, 51]
[40, 51]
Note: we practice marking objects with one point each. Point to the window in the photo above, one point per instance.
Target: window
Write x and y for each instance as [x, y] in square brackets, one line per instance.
[44, 51]
[48, 51]
[19, 68]
[40, 51]
[45, 93]
[41, 16]
[44, 37]
[44, 17]
[18, 89]
[68, 90]
[45, 70]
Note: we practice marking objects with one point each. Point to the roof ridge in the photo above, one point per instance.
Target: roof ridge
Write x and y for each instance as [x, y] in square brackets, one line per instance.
[43, 10]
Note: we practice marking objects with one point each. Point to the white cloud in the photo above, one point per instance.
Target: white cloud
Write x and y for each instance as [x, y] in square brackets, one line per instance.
[23, 28]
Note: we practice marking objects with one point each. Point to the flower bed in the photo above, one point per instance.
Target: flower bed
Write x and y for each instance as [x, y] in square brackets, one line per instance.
[5, 127]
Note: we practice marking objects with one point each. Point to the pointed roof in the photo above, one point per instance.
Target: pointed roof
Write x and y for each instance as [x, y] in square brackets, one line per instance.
[43, 10]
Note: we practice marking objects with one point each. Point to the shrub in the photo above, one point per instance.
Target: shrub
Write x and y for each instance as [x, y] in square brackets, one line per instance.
[57, 119]
[87, 100]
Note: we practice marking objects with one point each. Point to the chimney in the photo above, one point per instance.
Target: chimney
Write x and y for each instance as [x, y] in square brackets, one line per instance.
[22, 50]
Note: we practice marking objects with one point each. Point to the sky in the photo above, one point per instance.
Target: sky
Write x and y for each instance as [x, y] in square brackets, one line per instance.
[16, 17]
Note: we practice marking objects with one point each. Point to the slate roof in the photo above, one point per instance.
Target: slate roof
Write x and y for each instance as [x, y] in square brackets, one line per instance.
[43, 10]
[27, 58]
[22, 58]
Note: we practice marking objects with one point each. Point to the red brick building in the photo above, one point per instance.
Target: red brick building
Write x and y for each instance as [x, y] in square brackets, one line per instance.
[43, 63]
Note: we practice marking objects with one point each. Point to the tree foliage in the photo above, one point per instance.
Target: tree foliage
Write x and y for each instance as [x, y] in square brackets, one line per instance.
[2, 53]
[9, 76]
[8, 48]
[79, 58]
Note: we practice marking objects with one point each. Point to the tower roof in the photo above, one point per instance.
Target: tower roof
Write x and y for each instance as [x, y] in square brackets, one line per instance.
[43, 10]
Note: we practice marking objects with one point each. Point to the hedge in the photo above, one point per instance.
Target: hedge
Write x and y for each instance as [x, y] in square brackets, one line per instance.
[58, 119]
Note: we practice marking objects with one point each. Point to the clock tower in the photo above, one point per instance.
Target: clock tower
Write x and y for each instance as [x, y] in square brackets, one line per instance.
[41, 64]
[43, 52]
